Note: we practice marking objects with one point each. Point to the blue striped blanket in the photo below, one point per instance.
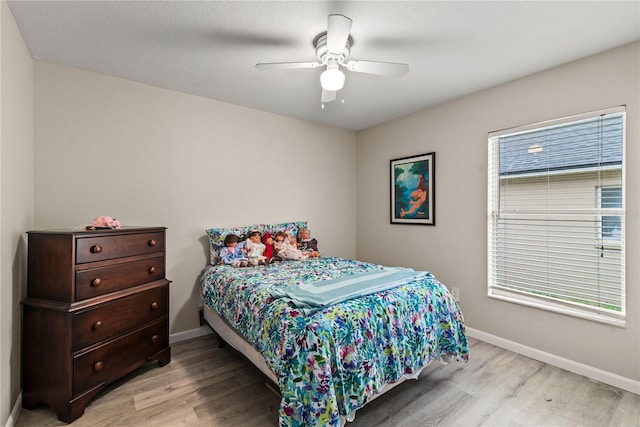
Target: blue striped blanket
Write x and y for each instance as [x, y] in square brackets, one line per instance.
[314, 296]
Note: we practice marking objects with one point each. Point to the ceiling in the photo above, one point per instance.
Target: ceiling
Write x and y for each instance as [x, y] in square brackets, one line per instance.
[210, 48]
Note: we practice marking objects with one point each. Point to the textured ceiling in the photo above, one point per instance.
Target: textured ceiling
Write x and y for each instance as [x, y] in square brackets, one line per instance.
[210, 48]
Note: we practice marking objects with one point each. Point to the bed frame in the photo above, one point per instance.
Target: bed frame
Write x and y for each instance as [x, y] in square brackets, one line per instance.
[230, 336]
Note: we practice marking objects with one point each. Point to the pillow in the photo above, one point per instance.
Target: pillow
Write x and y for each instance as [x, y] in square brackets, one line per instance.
[287, 227]
[217, 235]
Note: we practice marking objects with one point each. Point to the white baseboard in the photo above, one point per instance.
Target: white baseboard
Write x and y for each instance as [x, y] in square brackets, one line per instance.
[15, 412]
[190, 334]
[612, 379]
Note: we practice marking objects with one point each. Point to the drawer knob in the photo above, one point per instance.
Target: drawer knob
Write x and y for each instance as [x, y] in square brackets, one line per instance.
[96, 282]
[97, 325]
[96, 249]
[155, 339]
[152, 270]
[98, 366]
[154, 305]
[152, 242]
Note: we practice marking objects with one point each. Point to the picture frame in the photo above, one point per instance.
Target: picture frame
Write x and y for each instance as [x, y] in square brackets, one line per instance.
[413, 190]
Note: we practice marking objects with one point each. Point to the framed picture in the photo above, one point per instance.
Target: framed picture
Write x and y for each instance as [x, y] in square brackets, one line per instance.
[413, 190]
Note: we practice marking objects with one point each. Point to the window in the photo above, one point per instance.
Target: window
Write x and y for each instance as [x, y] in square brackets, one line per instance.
[556, 216]
[610, 197]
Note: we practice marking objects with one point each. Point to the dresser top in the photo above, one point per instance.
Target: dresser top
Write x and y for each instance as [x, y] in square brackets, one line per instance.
[99, 232]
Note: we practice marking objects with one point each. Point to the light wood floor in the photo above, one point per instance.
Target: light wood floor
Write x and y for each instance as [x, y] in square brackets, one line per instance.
[209, 386]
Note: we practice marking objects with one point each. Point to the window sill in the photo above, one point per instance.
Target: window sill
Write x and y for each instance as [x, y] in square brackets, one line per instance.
[594, 315]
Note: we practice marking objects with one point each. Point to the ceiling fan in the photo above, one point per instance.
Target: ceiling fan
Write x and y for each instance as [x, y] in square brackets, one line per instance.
[332, 50]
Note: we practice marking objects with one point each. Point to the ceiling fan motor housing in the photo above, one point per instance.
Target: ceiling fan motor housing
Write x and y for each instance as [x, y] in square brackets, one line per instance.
[326, 57]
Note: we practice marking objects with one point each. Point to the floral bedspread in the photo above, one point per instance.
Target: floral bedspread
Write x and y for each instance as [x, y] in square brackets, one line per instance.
[331, 363]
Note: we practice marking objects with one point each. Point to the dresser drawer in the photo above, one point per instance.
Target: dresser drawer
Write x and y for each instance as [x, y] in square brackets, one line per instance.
[90, 249]
[114, 359]
[99, 281]
[117, 316]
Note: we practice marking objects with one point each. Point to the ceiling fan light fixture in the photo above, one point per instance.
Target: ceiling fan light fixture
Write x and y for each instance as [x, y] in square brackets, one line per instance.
[332, 78]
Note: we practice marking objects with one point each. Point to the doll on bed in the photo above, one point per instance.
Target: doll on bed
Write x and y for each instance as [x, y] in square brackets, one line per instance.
[269, 251]
[308, 245]
[233, 252]
[255, 249]
[286, 247]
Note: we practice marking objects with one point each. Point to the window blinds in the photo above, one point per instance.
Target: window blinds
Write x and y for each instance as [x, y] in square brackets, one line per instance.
[556, 215]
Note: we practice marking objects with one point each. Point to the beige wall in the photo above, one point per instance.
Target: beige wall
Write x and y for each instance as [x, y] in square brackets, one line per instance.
[149, 156]
[16, 198]
[456, 248]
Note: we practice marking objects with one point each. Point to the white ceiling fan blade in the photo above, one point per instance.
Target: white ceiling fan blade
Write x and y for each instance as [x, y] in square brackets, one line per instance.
[286, 65]
[338, 28]
[328, 96]
[391, 69]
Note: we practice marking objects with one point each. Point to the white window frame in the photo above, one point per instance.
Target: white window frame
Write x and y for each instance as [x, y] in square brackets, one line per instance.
[615, 318]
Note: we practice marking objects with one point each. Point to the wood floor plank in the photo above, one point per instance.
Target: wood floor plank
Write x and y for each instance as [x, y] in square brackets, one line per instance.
[214, 387]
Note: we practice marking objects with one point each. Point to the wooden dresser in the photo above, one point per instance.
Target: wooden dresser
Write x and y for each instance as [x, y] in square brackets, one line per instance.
[97, 308]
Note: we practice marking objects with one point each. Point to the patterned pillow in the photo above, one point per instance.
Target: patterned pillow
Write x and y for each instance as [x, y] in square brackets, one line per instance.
[287, 227]
[217, 235]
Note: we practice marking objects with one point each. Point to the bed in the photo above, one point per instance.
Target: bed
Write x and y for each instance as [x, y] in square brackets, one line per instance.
[330, 355]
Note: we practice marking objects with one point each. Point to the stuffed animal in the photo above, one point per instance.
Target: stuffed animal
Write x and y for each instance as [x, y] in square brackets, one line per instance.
[104, 222]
